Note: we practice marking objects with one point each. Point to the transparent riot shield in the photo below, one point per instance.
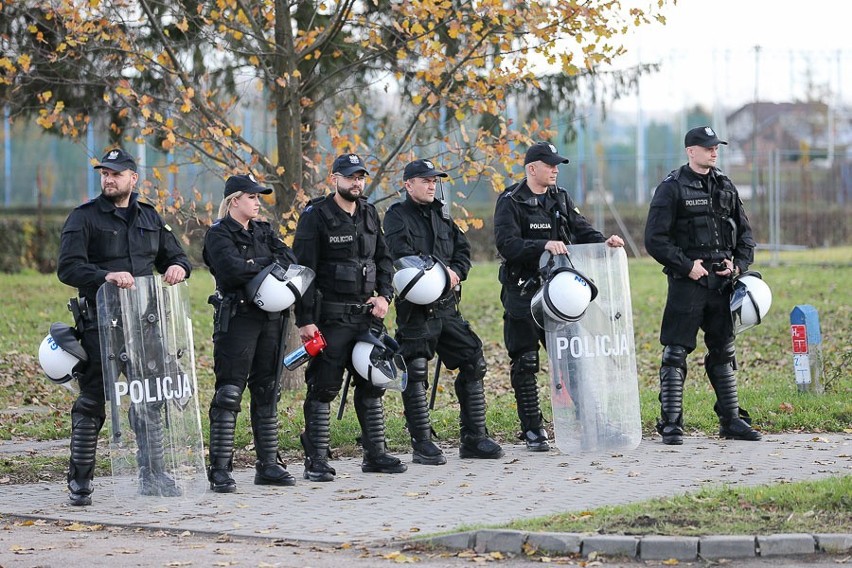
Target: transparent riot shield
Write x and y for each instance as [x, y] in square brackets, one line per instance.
[153, 416]
[594, 384]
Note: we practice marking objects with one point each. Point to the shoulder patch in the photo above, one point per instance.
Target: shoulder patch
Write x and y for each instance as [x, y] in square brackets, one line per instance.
[167, 227]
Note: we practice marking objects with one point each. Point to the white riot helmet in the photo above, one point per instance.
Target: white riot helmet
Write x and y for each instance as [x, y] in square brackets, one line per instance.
[565, 294]
[61, 355]
[378, 360]
[420, 279]
[275, 289]
[750, 301]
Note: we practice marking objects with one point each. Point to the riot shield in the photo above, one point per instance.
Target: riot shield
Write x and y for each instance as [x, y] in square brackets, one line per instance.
[153, 416]
[594, 384]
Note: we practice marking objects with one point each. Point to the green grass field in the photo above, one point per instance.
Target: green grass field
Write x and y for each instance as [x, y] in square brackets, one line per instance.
[33, 408]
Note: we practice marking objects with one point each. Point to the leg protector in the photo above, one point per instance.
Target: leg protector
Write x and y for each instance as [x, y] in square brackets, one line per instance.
[475, 442]
[269, 467]
[147, 422]
[371, 416]
[524, 370]
[81, 466]
[424, 450]
[734, 422]
[672, 378]
[223, 422]
[316, 439]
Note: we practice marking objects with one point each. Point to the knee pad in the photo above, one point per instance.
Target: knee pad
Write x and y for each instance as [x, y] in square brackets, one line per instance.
[475, 369]
[526, 363]
[89, 407]
[675, 356]
[721, 355]
[228, 397]
[365, 389]
[265, 394]
[418, 369]
[323, 394]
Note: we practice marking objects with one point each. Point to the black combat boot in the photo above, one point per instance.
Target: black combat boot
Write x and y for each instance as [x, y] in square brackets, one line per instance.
[223, 424]
[526, 395]
[81, 467]
[670, 424]
[371, 416]
[269, 468]
[734, 423]
[147, 423]
[316, 439]
[424, 450]
[475, 442]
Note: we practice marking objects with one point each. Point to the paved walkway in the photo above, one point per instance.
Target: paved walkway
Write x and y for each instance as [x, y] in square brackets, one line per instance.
[360, 508]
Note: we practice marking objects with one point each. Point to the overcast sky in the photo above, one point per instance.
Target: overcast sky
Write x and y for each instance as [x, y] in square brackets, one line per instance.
[707, 52]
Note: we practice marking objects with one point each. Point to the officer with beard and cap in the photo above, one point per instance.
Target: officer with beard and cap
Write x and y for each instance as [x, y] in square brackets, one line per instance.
[697, 229]
[532, 216]
[113, 238]
[339, 236]
[418, 226]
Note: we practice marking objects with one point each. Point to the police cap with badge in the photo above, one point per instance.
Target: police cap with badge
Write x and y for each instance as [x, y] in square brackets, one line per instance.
[544, 152]
[117, 160]
[348, 164]
[245, 183]
[703, 136]
[421, 169]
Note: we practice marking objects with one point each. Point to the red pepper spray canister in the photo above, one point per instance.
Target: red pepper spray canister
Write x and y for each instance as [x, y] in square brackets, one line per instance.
[310, 348]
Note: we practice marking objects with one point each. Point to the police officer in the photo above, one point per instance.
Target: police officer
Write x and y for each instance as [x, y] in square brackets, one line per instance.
[697, 229]
[419, 226]
[113, 238]
[533, 216]
[339, 236]
[247, 340]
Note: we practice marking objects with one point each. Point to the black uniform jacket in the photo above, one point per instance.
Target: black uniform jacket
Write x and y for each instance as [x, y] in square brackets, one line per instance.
[415, 229]
[236, 255]
[697, 217]
[97, 239]
[347, 252]
[524, 222]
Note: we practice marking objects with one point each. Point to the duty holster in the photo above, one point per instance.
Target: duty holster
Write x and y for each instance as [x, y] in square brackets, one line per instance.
[223, 309]
[82, 314]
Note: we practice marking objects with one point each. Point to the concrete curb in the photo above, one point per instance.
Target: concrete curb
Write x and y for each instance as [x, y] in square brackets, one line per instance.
[649, 547]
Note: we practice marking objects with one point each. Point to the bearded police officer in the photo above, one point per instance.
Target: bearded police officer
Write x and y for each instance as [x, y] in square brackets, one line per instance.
[246, 337]
[113, 238]
[697, 229]
[339, 236]
[419, 227]
[531, 217]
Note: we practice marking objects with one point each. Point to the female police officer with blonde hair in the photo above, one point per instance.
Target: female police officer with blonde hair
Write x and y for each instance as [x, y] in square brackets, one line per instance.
[246, 339]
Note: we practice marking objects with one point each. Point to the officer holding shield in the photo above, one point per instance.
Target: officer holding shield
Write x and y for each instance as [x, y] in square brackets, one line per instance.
[419, 227]
[339, 236]
[533, 216]
[697, 229]
[247, 340]
[114, 238]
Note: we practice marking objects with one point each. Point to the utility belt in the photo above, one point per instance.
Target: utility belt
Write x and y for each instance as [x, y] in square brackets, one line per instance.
[84, 315]
[442, 306]
[339, 310]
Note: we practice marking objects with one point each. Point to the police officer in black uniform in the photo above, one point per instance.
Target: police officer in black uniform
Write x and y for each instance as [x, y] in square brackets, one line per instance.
[697, 229]
[113, 238]
[533, 216]
[247, 340]
[339, 236]
[419, 226]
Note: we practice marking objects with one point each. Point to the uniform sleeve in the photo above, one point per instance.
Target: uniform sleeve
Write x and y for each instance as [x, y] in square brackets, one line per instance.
[461, 253]
[397, 234]
[384, 263]
[659, 230]
[171, 253]
[307, 254]
[744, 247]
[283, 254]
[73, 266]
[225, 261]
[581, 229]
[507, 234]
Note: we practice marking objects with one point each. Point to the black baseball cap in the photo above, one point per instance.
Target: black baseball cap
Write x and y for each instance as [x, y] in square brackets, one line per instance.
[702, 136]
[421, 169]
[245, 183]
[348, 164]
[545, 152]
[117, 160]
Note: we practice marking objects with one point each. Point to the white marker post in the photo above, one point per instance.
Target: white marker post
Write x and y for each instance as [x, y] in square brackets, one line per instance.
[807, 348]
